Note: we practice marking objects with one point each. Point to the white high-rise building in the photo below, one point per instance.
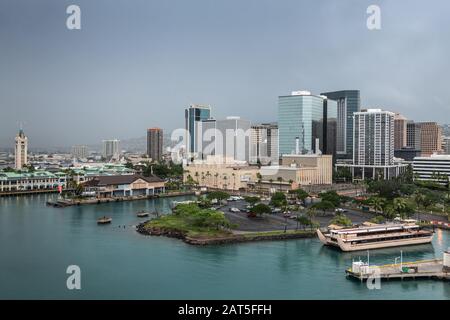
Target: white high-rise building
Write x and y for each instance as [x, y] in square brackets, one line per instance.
[79, 152]
[111, 149]
[21, 150]
[373, 137]
[373, 150]
[264, 144]
[228, 138]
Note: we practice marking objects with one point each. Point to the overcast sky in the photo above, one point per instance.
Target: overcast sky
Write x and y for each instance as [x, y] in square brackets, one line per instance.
[138, 64]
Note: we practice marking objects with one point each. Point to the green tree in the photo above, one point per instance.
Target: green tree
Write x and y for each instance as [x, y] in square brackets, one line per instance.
[342, 220]
[251, 200]
[400, 206]
[303, 221]
[331, 196]
[378, 204]
[261, 209]
[278, 200]
[218, 195]
[301, 195]
[311, 213]
[324, 206]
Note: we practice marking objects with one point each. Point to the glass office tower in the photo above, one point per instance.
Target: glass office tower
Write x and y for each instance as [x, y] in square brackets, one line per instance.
[192, 116]
[348, 102]
[302, 119]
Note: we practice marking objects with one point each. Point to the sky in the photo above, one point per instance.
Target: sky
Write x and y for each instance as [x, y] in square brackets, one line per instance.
[137, 64]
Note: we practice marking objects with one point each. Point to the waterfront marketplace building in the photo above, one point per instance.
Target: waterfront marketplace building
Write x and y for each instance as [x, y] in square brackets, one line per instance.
[31, 181]
[124, 186]
[221, 173]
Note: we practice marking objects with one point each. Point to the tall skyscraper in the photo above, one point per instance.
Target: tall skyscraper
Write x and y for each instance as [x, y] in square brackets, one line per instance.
[348, 102]
[430, 139]
[374, 138]
[264, 144]
[193, 115]
[111, 149]
[228, 137]
[400, 131]
[155, 143]
[304, 119]
[413, 135]
[21, 150]
[79, 152]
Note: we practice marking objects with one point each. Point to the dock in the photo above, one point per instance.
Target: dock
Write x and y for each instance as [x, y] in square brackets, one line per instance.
[428, 269]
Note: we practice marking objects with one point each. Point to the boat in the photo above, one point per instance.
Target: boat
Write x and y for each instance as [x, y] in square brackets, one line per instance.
[104, 220]
[143, 214]
[375, 236]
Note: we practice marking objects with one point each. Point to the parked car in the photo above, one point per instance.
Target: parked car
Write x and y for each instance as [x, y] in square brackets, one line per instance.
[234, 210]
[340, 210]
[276, 210]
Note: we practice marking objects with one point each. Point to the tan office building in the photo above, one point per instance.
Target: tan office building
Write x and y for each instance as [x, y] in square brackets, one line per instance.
[300, 170]
[221, 173]
[400, 124]
[430, 139]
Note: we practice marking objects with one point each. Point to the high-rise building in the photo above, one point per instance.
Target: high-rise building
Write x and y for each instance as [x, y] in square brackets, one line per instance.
[192, 116]
[430, 139]
[111, 149]
[413, 135]
[229, 138]
[305, 119]
[400, 131]
[155, 143]
[374, 138]
[79, 152]
[373, 152]
[264, 144]
[21, 150]
[348, 102]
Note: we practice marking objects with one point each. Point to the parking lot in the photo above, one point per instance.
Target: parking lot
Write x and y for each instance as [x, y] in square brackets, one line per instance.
[278, 221]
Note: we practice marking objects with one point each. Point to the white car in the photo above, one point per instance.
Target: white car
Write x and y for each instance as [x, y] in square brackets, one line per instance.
[234, 210]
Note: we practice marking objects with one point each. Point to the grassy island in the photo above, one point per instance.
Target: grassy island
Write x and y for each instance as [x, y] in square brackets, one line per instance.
[192, 221]
[205, 226]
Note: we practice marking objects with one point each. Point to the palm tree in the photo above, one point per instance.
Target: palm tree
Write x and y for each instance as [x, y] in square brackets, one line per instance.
[419, 199]
[378, 204]
[399, 206]
[196, 176]
[311, 213]
[271, 181]
[224, 182]
[216, 179]
[234, 180]
[208, 176]
[280, 180]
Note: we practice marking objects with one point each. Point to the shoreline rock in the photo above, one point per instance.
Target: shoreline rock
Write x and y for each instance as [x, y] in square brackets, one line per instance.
[152, 231]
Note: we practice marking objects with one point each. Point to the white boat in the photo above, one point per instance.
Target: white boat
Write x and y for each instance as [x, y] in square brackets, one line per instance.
[376, 236]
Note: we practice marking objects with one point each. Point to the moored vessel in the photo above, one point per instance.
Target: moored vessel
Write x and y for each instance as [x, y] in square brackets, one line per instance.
[375, 236]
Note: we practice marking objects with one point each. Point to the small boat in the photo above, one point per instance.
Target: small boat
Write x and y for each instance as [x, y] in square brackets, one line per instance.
[143, 214]
[104, 220]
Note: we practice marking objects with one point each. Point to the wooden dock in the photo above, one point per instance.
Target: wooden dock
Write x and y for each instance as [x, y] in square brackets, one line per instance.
[431, 269]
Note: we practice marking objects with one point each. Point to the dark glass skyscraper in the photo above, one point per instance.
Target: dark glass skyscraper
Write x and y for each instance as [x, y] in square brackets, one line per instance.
[348, 102]
[193, 115]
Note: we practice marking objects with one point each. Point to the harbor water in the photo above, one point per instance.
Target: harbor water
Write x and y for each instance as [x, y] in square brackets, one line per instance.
[38, 243]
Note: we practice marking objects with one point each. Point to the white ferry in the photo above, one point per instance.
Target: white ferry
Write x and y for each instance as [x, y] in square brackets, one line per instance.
[375, 236]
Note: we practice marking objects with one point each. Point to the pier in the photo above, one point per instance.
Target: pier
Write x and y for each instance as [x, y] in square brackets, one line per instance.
[428, 269]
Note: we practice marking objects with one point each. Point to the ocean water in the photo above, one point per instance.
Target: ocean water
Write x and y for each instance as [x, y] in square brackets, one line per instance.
[38, 243]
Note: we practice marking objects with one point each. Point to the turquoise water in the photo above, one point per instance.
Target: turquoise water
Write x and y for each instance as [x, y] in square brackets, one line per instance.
[37, 243]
